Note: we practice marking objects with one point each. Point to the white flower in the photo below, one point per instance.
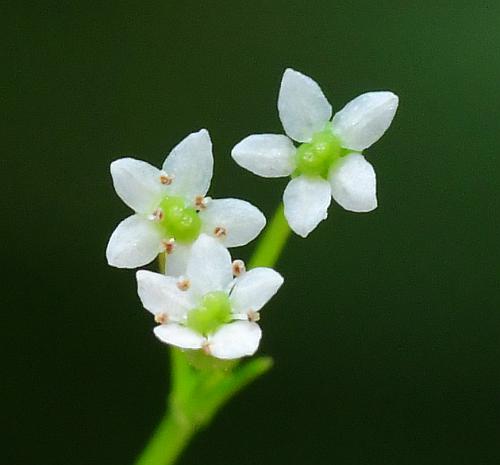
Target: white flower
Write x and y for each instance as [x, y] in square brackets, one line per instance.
[206, 308]
[171, 209]
[328, 163]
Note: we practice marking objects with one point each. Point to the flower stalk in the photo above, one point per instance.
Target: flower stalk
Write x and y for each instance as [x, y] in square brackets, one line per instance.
[199, 388]
[273, 241]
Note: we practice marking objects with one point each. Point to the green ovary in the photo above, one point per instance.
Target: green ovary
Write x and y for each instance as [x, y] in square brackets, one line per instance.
[179, 221]
[316, 157]
[213, 311]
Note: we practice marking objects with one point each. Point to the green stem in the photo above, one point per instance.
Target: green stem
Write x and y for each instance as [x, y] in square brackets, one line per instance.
[168, 441]
[273, 241]
[162, 261]
[201, 385]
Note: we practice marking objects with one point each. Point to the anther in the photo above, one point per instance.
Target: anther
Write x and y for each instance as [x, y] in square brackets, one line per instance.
[253, 316]
[166, 179]
[169, 245]
[157, 215]
[238, 267]
[206, 348]
[220, 231]
[161, 318]
[201, 202]
[183, 284]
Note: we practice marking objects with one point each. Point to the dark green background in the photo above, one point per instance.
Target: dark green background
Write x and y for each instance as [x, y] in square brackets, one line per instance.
[386, 335]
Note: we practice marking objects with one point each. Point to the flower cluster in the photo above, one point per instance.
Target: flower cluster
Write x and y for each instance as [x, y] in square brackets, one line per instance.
[204, 300]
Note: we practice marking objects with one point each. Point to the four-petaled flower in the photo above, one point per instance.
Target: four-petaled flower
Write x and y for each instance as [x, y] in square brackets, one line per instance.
[328, 163]
[207, 308]
[171, 209]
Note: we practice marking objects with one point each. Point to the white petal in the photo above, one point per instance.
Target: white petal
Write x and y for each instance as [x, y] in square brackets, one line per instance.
[302, 106]
[268, 155]
[176, 263]
[137, 183]
[354, 184]
[235, 340]
[306, 202]
[179, 336]
[160, 294]
[242, 222]
[209, 266]
[254, 289]
[135, 242]
[191, 164]
[363, 121]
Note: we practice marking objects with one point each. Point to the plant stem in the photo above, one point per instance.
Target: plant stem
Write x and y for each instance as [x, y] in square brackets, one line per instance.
[168, 441]
[162, 261]
[198, 393]
[273, 241]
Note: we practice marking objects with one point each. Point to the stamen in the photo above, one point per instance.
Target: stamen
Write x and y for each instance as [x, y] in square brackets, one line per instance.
[201, 202]
[238, 267]
[169, 245]
[166, 179]
[161, 318]
[183, 284]
[206, 348]
[220, 231]
[253, 316]
[157, 215]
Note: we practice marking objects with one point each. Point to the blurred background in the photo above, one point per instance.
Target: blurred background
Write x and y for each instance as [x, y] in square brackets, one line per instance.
[386, 335]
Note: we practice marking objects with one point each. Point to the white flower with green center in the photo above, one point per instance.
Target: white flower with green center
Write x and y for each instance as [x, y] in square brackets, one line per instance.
[207, 308]
[171, 209]
[329, 162]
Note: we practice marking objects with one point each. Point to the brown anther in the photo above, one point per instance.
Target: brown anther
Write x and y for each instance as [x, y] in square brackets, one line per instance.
[166, 179]
[183, 284]
[200, 202]
[253, 316]
[238, 267]
[169, 245]
[219, 231]
[206, 348]
[158, 214]
[161, 318]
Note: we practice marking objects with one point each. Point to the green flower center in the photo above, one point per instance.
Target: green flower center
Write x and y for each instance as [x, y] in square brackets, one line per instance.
[316, 157]
[177, 220]
[213, 311]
